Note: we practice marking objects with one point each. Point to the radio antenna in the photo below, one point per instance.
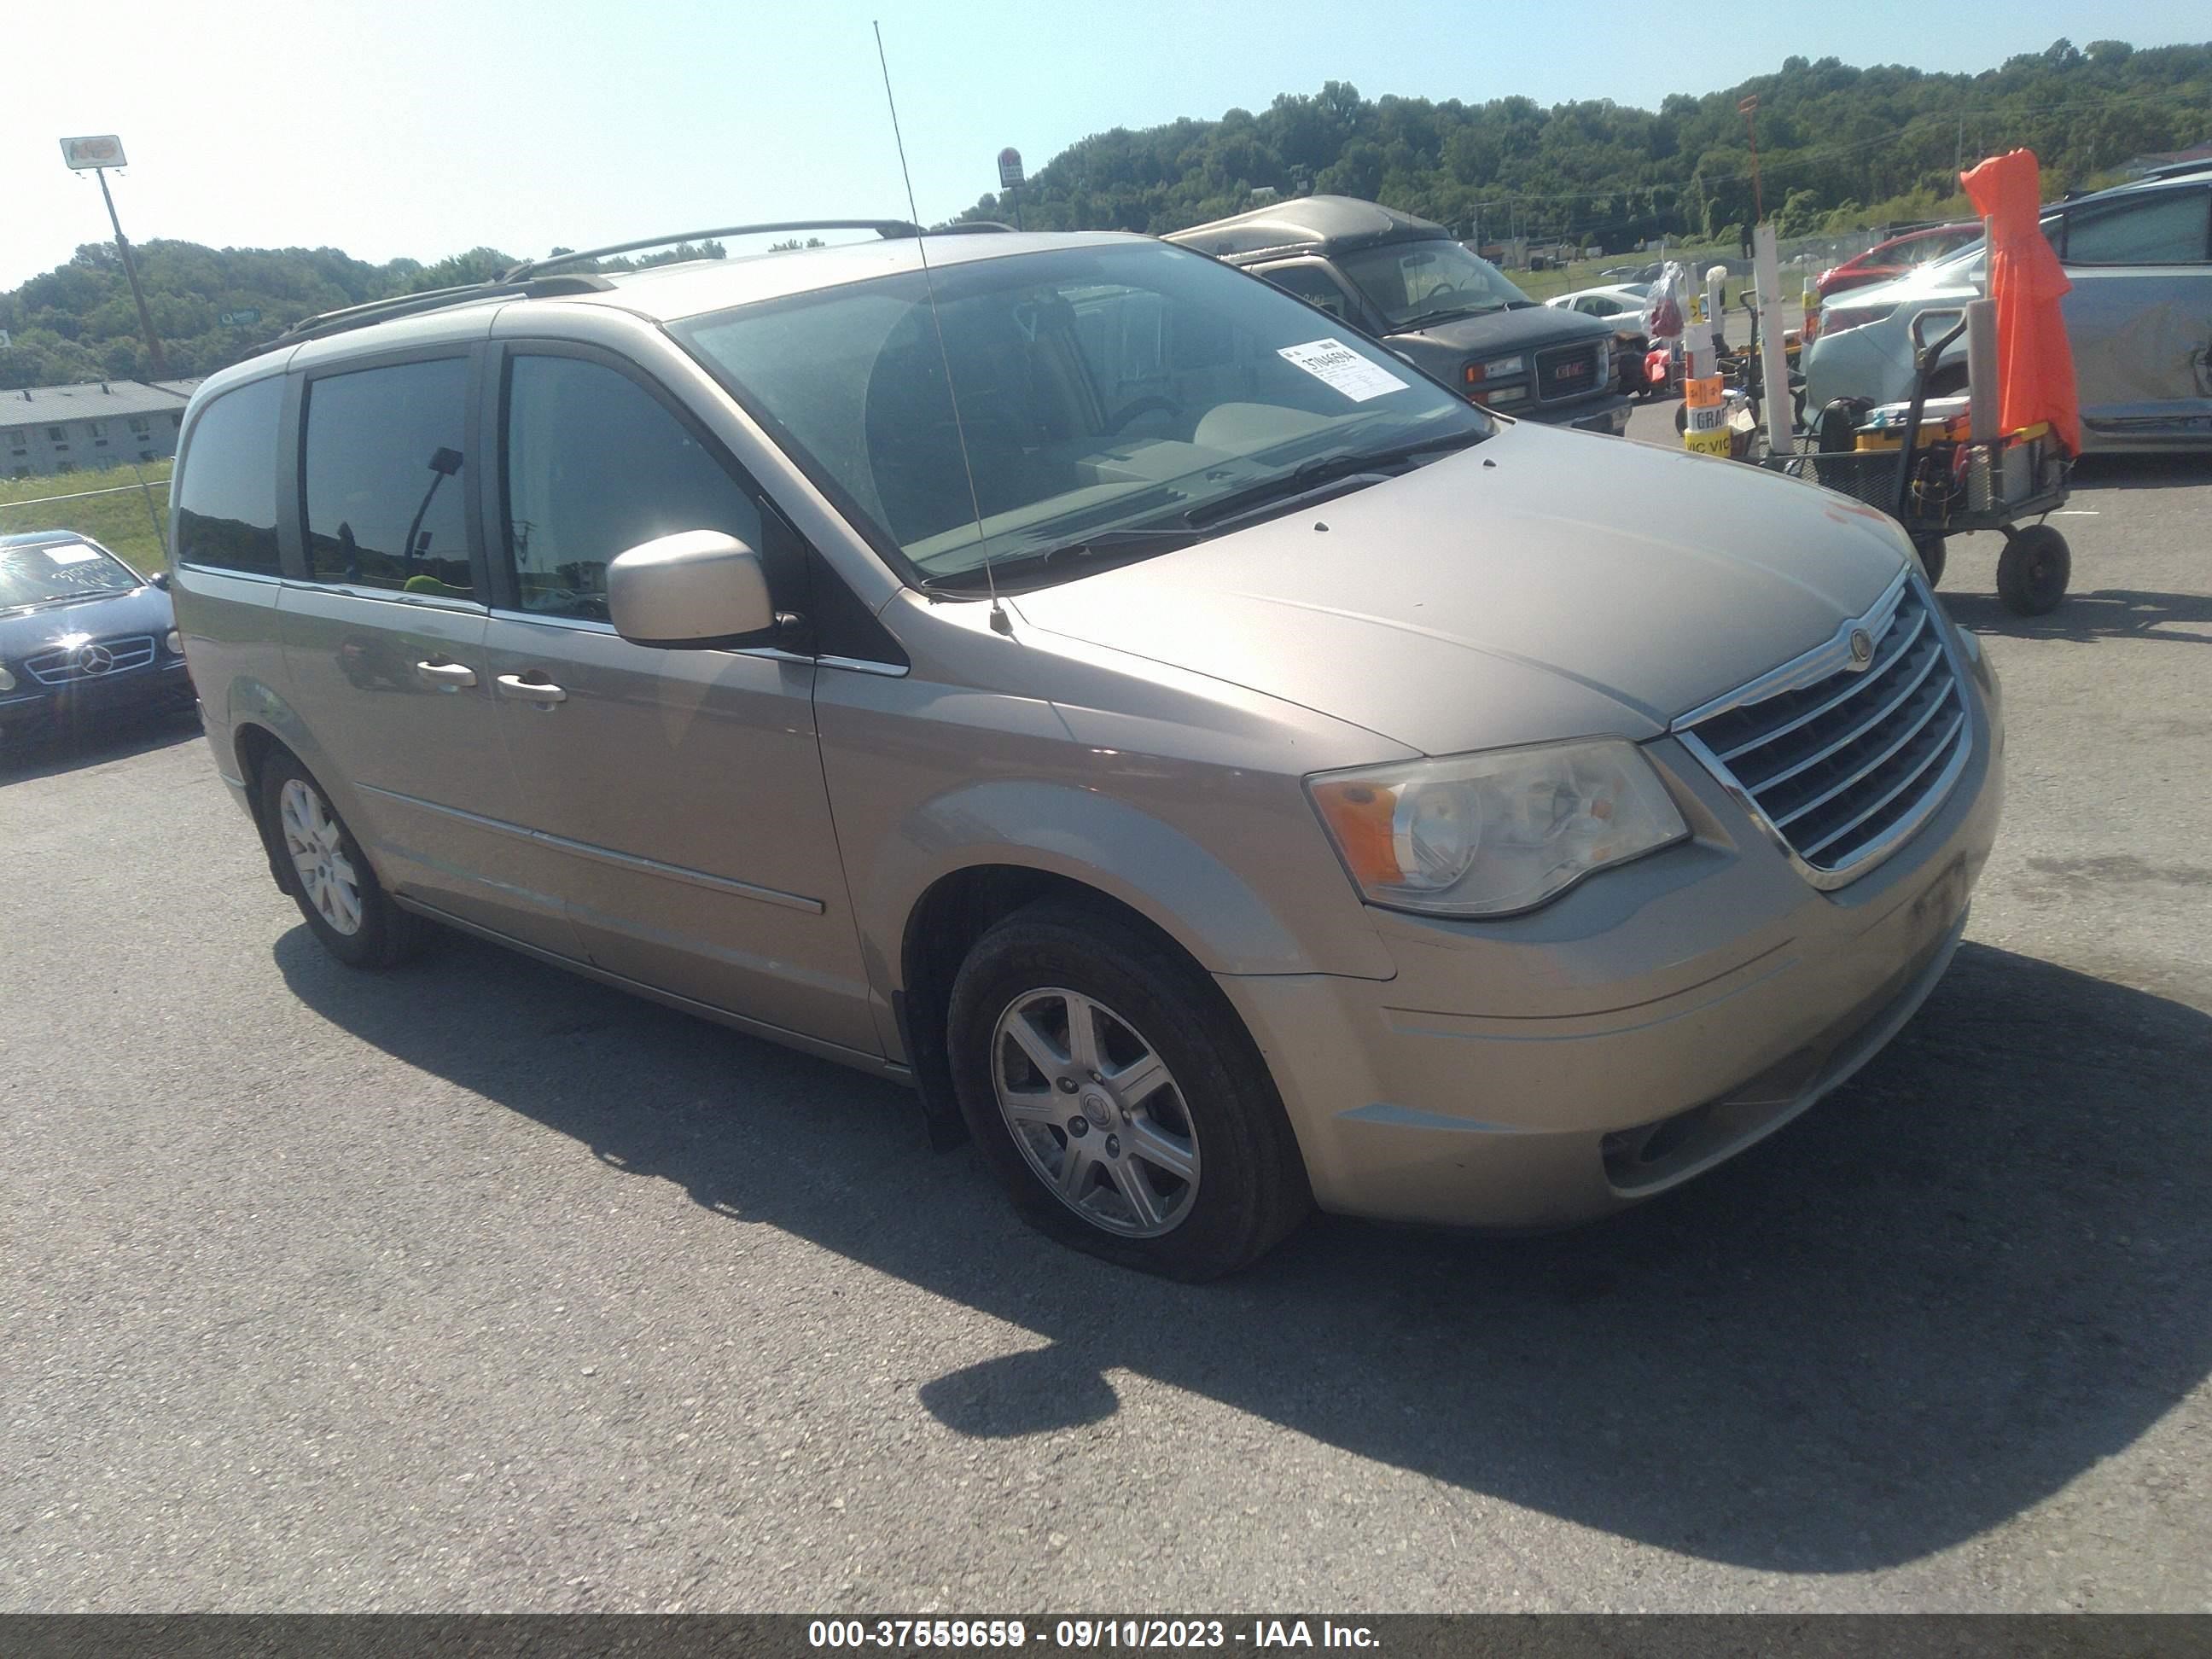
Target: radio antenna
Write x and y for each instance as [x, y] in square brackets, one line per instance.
[1000, 622]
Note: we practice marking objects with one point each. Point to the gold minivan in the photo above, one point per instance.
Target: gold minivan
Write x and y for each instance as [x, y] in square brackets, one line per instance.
[1219, 766]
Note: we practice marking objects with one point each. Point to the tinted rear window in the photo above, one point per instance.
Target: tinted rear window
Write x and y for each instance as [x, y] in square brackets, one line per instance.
[227, 494]
[387, 500]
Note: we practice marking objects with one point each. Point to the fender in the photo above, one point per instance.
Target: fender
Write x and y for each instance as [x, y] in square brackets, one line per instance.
[1104, 843]
[252, 702]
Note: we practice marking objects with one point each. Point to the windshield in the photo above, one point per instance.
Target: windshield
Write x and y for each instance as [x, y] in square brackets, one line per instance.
[1408, 280]
[41, 573]
[1105, 392]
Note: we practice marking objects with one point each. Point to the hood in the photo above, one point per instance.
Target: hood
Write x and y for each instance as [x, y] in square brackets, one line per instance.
[1542, 584]
[141, 609]
[1504, 331]
[1953, 283]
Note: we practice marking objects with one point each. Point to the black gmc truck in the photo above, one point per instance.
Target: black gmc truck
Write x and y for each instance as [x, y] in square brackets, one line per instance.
[1407, 283]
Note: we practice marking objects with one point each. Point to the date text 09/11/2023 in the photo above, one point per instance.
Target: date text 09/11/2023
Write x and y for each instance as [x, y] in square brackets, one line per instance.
[903, 1635]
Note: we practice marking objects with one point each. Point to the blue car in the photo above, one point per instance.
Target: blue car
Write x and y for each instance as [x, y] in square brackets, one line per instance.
[81, 634]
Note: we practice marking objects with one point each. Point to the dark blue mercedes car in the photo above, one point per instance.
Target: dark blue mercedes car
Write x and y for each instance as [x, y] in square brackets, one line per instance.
[81, 634]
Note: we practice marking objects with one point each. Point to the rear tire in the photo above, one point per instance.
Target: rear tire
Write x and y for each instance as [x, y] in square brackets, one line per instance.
[1189, 1169]
[2033, 570]
[319, 863]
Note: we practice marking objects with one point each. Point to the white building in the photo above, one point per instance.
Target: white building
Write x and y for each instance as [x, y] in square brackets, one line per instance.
[101, 424]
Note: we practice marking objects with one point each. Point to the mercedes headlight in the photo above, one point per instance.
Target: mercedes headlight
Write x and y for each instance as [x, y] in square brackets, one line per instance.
[1490, 834]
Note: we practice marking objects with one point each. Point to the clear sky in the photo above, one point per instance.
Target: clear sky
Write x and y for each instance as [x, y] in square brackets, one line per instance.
[424, 127]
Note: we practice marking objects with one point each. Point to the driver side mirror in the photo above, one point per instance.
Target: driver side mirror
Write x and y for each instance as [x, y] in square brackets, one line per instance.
[160, 579]
[697, 590]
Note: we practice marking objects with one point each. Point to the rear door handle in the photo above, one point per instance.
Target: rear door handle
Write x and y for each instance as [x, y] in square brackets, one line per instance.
[543, 693]
[451, 676]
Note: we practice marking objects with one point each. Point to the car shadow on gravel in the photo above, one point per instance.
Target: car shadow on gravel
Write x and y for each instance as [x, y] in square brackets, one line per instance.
[1928, 1305]
[114, 738]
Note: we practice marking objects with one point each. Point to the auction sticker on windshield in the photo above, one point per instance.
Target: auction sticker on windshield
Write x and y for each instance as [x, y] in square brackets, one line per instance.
[1337, 365]
[77, 554]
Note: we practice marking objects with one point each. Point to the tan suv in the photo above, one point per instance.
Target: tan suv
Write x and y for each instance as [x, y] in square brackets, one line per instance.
[1221, 767]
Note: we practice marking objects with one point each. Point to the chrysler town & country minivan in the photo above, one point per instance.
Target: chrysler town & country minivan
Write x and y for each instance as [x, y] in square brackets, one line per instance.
[1225, 771]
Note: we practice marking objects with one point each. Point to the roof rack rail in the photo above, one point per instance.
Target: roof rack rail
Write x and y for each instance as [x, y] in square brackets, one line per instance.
[434, 299]
[889, 230]
[2176, 169]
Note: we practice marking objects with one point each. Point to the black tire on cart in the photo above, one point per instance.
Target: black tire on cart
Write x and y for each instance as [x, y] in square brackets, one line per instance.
[2033, 569]
[1930, 549]
[1681, 419]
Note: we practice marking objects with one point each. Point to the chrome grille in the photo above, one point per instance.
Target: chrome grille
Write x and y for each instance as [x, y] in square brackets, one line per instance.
[1841, 763]
[1565, 372]
[93, 659]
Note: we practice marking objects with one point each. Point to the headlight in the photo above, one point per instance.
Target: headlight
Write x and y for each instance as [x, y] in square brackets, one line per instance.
[6, 679]
[175, 643]
[1835, 321]
[1490, 834]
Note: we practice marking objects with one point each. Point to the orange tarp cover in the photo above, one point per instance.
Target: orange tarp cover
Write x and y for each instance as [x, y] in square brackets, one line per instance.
[2035, 363]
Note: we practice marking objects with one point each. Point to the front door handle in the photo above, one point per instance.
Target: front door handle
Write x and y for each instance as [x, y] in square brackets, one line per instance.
[543, 693]
[450, 676]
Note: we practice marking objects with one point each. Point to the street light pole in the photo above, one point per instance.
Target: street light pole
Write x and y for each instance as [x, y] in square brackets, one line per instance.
[1748, 108]
[130, 269]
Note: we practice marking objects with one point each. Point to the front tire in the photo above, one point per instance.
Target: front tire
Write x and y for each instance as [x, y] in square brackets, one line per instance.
[321, 865]
[1109, 1086]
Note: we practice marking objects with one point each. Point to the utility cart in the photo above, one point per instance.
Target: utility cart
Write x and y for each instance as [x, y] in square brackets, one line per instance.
[1937, 482]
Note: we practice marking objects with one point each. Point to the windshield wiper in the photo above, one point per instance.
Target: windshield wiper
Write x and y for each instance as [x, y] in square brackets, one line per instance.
[1107, 546]
[1424, 318]
[1321, 470]
[1200, 522]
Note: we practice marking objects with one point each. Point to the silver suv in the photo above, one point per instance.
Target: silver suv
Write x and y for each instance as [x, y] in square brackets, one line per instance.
[1223, 769]
[2138, 316]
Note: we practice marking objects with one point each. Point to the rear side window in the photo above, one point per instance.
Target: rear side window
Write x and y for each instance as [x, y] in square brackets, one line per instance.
[2165, 229]
[595, 465]
[227, 493]
[386, 503]
[1314, 287]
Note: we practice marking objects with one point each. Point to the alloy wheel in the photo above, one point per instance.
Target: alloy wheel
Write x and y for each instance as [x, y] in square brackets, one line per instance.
[315, 843]
[1096, 1112]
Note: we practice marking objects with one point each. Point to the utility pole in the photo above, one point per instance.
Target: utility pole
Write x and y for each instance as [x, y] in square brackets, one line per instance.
[95, 155]
[1748, 108]
[130, 269]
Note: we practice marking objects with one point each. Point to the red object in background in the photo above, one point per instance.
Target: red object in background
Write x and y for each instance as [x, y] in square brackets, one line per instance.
[1885, 261]
[2035, 363]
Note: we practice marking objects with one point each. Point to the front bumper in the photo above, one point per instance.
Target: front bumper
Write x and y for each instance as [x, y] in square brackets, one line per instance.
[163, 683]
[1609, 413]
[1873, 361]
[1546, 1069]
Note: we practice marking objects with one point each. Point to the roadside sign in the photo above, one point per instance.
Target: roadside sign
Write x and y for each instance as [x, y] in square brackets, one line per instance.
[1745, 106]
[104, 150]
[244, 318]
[1010, 167]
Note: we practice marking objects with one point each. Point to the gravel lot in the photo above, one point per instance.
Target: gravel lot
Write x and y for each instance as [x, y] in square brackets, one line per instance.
[477, 1287]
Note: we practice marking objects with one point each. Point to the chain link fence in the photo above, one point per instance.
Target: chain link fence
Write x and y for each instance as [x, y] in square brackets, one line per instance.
[129, 518]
